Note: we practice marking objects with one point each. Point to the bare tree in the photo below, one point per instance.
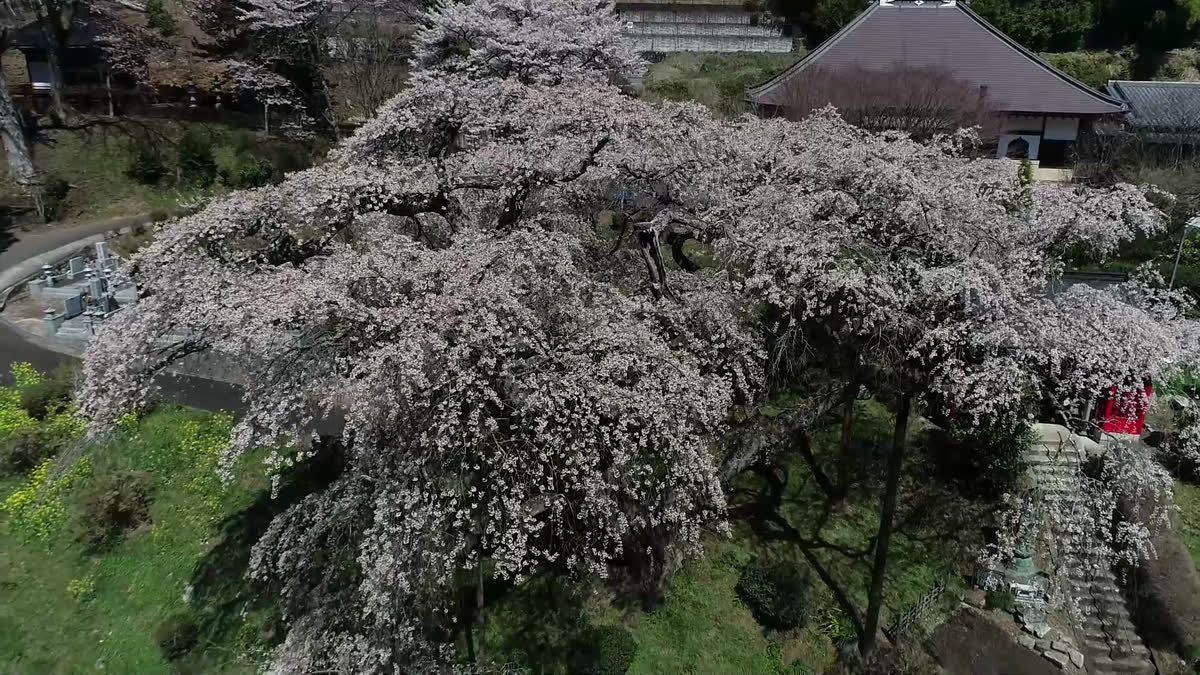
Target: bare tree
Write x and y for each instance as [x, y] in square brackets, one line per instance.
[369, 66]
[921, 101]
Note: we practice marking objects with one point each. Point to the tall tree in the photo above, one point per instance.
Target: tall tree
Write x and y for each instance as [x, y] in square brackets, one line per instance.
[524, 389]
[12, 129]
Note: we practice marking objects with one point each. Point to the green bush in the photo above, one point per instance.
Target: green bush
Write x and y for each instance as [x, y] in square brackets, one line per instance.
[177, 635]
[159, 19]
[26, 448]
[52, 197]
[111, 505]
[1180, 65]
[1093, 68]
[237, 168]
[50, 394]
[604, 650]
[1001, 599]
[146, 165]
[196, 163]
[982, 462]
[775, 593]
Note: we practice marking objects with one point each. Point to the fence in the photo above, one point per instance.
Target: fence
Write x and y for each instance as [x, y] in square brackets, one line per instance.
[904, 623]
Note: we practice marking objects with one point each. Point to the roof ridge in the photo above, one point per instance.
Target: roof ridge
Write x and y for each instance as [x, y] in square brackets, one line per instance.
[875, 5]
[1158, 82]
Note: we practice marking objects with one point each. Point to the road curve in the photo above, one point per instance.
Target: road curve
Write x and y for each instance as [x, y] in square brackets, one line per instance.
[190, 391]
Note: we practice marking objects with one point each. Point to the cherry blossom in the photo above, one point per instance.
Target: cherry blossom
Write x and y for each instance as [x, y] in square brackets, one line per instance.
[494, 283]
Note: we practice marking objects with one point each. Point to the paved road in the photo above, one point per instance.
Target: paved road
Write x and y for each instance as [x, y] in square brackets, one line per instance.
[192, 391]
[29, 244]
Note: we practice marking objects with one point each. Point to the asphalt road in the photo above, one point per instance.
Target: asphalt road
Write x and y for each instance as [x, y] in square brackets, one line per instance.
[19, 246]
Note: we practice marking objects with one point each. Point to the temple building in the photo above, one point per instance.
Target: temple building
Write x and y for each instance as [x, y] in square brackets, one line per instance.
[899, 54]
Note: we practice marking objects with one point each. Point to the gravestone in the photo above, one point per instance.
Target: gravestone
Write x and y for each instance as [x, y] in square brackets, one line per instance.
[102, 251]
[76, 264]
[96, 288]
[73, 306]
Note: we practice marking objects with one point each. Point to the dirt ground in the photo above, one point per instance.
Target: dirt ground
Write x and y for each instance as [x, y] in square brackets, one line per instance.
[972, 643]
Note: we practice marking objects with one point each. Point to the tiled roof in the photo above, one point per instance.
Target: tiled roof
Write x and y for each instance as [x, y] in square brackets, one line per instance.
[1160, 106]
[933, 34]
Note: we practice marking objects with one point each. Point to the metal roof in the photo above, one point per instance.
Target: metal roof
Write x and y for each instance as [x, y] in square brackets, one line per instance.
[946, 35]
[1160, 106]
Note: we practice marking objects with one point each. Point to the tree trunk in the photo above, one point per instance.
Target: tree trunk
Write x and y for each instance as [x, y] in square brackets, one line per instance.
[108, 92]
[654, 563]
[887, 515]
[55, 39]
[331, 112]
[845, 458]
[481, 620]
[16, 145]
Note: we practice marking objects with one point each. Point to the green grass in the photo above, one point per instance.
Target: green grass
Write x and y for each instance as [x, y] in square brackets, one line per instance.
[95, 160]
[704, 628]
[129, 590]
[1187, 498]
[716, 80]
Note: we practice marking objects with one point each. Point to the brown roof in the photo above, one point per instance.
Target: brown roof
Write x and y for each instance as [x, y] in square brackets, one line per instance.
[946, 35]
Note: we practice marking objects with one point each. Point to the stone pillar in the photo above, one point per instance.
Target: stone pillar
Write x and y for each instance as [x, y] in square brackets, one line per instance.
[51, 321]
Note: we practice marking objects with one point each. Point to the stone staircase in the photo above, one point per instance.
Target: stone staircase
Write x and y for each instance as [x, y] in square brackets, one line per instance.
[1106, 634]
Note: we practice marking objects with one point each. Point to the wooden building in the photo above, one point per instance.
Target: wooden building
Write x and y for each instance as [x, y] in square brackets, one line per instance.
[1039, 111]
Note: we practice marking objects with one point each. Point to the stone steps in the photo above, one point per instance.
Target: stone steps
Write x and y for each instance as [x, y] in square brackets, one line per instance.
[1122, 666]
[1109, 641]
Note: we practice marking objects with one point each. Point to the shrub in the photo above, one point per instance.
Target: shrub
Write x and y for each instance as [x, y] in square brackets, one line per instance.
[1001, 599]
[82, 589]
[196, 163]
[604, 650]
[1181, 64]
[240, 169]
[838, 628]
[50, 394]
[982, 462]
[159, 19]
[776, 594]
[1093, 68]
[146, 165]
[177, 634]
[52, 198]
[26, 448]
[110, 506]
[37, 510]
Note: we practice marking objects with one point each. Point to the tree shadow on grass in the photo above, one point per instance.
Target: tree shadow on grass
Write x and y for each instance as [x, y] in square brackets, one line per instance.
[222, 595]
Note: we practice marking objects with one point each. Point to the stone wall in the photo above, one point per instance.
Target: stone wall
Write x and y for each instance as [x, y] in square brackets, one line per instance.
[713, 26]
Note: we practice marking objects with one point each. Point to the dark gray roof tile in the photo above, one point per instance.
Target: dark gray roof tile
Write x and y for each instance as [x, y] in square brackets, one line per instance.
[946, 36]
[1160, 106]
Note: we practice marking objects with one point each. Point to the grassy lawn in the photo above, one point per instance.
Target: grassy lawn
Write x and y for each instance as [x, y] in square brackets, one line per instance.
[96, 162]
[65, 610]
[1187, 498]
